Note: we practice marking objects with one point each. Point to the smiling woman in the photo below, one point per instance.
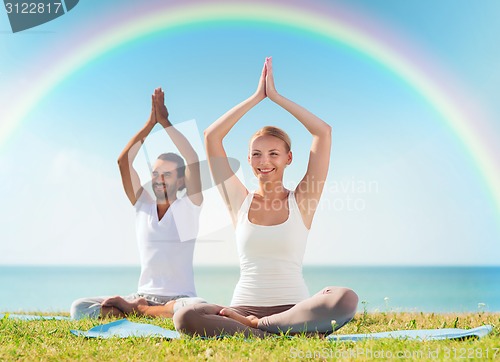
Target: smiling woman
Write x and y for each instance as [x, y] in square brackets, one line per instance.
[271, 227]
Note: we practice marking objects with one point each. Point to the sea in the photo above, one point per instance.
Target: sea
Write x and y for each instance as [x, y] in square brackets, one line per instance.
[417, 289]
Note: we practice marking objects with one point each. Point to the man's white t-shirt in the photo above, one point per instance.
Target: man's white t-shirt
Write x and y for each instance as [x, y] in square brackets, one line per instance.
[166, 246]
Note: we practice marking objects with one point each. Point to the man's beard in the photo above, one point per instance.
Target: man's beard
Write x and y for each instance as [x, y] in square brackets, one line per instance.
[162, 194]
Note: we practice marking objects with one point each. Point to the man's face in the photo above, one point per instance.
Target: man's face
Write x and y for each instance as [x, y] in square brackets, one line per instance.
[164, 180]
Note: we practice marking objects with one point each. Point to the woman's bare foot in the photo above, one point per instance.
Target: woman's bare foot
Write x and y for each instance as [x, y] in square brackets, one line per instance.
[251, 320]
[164, 311]
[125, 306]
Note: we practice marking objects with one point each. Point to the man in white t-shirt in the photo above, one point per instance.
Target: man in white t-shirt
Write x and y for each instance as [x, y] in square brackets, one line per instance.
[166, 226]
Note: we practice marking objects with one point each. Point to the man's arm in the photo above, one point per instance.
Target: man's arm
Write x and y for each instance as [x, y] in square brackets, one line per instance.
[192, 177]
[130, 177]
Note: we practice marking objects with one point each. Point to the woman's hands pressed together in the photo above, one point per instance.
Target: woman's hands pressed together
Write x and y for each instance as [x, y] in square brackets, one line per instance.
[266, 86]
[271, 92]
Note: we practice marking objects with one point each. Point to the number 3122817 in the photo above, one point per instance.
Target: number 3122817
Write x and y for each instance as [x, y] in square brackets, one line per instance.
[33, 8]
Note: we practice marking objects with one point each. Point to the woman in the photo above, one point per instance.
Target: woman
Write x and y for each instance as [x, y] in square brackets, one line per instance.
[272, 225]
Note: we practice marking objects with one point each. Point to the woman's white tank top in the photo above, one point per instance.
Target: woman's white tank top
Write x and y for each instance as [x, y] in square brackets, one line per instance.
[270, 259]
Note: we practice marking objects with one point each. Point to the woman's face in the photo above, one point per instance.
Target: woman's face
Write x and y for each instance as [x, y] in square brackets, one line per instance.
[268, 158]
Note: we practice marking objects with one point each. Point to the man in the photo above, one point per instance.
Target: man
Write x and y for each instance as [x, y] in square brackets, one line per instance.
[166, 227]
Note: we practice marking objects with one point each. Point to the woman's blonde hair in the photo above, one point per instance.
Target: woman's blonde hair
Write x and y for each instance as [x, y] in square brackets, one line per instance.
[275, 132]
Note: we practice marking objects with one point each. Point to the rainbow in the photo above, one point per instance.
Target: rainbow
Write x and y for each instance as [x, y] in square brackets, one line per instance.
[302, 18]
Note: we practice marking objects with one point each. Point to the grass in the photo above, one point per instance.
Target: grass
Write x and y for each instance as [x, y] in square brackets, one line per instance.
[50, 340]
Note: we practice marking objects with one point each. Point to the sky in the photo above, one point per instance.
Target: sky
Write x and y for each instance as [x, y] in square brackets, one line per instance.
[404, 187]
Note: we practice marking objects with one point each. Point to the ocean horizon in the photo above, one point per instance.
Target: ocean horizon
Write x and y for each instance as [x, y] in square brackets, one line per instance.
[439, 289]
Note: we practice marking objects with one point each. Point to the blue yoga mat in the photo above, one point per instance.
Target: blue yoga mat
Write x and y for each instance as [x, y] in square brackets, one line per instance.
[420, 334]
[31, 317]
[123, 328]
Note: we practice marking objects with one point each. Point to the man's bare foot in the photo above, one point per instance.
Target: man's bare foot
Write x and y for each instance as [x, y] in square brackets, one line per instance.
[251, 320]
[125, 306]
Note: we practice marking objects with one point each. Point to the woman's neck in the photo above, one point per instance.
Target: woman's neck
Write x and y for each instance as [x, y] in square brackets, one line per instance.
[272, 190]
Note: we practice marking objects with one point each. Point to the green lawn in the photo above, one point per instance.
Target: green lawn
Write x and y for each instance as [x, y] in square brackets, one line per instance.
[51, 340]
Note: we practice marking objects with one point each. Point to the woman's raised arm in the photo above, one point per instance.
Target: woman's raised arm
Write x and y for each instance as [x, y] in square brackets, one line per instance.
[308, 191]
[232, 189]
